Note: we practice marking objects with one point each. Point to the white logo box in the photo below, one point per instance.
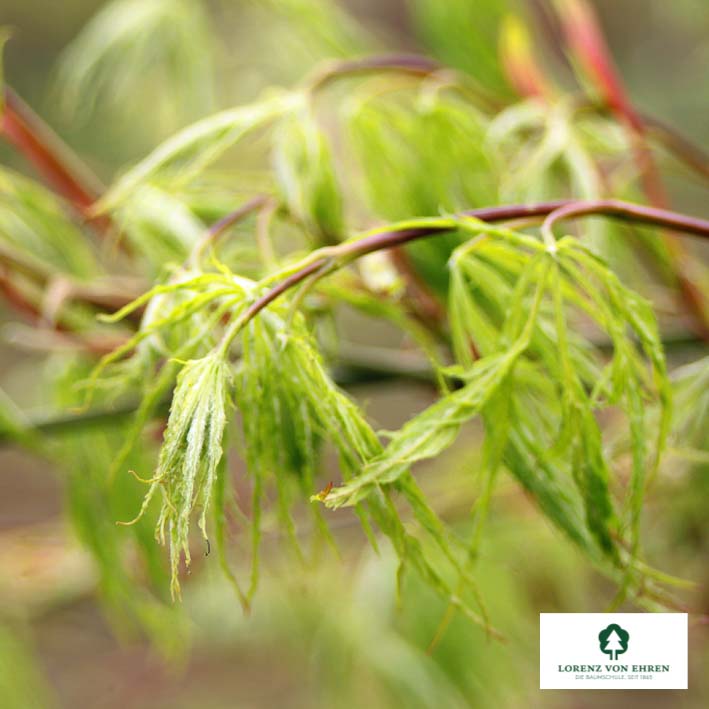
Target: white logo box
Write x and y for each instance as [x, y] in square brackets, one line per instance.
[640, 651]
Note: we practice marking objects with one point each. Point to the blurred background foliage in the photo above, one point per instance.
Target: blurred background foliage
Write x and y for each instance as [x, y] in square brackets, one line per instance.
[116, 78]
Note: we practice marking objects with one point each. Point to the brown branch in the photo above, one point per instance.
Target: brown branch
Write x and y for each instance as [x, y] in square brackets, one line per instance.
[63, 173]
[675, 143]
[585, 38]
[412, 64]
[629, 212]
[220, 226]
[52, 159]
[14, 297]
[350, 250]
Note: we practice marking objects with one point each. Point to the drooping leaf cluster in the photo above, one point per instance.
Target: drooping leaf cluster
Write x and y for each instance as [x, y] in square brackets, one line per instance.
[541, 342]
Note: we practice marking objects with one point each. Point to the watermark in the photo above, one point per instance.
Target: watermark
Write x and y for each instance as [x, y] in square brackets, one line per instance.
[613, 651]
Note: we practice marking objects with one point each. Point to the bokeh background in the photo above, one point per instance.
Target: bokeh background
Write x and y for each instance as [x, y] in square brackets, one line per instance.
[334, 633]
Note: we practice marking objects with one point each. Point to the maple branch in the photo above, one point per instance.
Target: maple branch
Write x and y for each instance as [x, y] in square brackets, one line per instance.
[52, 158]
[349, 250]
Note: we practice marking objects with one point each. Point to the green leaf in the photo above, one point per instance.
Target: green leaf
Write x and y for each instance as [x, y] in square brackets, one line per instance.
[159, 225]
[132, 48]
[306, 175]
[192, 448]
[429, 433]
[34, 224]
[464, 35]
[420, 157]
[188, 153]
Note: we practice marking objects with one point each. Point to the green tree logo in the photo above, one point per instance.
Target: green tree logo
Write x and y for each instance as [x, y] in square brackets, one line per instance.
[613, 640]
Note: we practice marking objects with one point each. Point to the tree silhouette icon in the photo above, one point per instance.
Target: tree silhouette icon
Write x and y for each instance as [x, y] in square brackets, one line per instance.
[613, 640]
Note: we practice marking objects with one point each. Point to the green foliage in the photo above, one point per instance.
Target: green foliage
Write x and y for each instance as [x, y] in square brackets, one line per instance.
[539, 387]
[130, 46]
[34, 227]
[192, 448]
[421, 156]
[555, 390]
[21, 685]
[185, 155]
[96, 501]
[538, 339]
[464, 35]
[306, 175]
[159, 225]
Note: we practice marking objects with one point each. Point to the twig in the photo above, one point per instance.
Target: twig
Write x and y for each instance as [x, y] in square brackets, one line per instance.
[66, 423]
[356, 365]
[413, 64]
[585, 38]
[682, 148]
[627, 211]
[54, 161]
[219, 227]
[406, 64]
[349, 250]
[347, 373]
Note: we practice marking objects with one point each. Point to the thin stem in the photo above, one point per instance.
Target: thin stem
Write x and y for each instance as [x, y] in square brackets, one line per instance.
[408, 64]
[263, 233]
[259, 304]
[219, 227]
[678, 145]
[682, 148]
[585, 37]
[413, 64]
[66, 423]
[55, 162]
[388, 238]
[628, 212]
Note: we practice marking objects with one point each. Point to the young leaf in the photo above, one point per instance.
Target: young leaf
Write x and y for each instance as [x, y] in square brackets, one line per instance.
[306, 175]
[192, 448]
[34, 223]
[129, 47]
[185, 155]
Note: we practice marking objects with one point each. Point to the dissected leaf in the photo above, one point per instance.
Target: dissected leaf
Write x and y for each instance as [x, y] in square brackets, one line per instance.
[186, 154]
[130, 46]
[305, 170]
[36, 225]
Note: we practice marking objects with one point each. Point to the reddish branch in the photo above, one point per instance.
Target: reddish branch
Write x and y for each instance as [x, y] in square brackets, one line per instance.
[52, 159]
[220, 226]
[561, 208]
[15, 298]
[629, 212]
[63, 172]
[412, 64]
[585, 38]
[682, 148]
